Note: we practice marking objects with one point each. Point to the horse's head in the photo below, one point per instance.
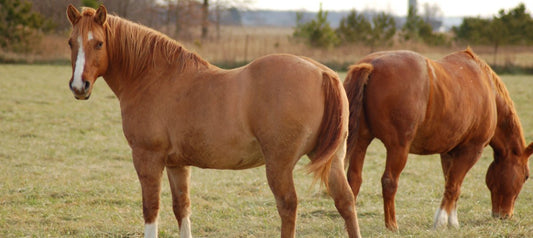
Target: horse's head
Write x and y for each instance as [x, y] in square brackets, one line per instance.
[505, 180]
[88, 49]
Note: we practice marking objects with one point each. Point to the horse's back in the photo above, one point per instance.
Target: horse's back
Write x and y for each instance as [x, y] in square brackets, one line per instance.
[433, 106]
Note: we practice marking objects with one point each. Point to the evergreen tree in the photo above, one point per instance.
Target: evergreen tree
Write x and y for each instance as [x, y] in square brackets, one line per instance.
[513, 27]
[318, 32]
[354, 28]
[20, 27]
[91, 3]
[417, 29]
[383, 30]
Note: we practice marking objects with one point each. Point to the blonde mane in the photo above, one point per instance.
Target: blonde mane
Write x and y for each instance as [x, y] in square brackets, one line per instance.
[136, 47]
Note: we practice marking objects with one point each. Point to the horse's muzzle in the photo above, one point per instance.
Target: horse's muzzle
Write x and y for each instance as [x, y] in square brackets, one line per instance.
[81, 94]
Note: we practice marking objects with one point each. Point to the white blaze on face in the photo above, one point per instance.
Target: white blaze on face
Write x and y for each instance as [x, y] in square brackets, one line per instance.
[77, 82]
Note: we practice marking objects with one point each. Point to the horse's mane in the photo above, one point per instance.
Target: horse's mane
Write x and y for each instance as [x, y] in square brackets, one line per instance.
[498, 83]
[137, 47]
[513, 121]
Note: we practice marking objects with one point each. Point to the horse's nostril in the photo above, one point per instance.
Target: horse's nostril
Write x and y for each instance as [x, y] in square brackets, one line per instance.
[86, 85]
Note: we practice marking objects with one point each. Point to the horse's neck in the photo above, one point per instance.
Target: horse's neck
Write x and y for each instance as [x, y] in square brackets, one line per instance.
[508, 137]
[114, 81]
[130, 70]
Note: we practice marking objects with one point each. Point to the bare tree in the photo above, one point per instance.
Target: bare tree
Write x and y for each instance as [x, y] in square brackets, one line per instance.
[224, 5]
[187, 15]
[432, 14]
[205, 16]
[50, 9]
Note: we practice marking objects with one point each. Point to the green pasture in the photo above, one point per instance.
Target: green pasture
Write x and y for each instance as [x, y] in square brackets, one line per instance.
[66, 171]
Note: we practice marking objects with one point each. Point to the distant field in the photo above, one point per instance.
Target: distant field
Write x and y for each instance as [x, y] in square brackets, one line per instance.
[237, 45]
[66, 171]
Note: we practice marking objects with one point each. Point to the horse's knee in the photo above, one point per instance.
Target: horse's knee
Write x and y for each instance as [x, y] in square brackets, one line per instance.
[287, 205]
[288, 202]
[389, 185]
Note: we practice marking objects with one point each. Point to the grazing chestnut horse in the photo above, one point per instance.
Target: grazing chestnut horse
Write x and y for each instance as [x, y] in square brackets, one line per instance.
[180, 111]
[454, 106]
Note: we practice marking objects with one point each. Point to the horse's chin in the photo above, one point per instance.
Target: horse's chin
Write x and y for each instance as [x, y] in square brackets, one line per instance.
[82, 97]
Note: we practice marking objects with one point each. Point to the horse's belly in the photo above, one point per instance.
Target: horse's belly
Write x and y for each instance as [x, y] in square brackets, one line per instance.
[221, 156]
[445, 140]
[236, 159]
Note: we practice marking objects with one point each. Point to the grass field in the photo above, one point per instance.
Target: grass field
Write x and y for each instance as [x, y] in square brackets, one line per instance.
[66, 171]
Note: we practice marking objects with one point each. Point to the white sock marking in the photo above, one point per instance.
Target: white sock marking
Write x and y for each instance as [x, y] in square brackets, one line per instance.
[150, 230]
[452, 219]
[185, 229]
[441, 219]
[77, 83]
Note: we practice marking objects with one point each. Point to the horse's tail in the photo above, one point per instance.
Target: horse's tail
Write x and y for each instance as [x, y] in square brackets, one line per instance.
[355, 84]
[332, 129]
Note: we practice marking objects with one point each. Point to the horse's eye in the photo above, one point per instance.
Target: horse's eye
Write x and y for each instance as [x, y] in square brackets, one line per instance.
[99, 45]
[70, 43]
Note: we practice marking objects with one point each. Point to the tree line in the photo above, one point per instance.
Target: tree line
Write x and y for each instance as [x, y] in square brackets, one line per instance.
[512, 27]
[22, 22]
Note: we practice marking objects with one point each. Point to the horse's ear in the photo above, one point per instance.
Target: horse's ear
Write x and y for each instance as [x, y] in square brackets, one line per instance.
[73, 14]
[101, 15]
[529, 150]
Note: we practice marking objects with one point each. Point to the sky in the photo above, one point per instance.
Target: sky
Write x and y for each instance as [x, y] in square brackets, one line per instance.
[450, 8]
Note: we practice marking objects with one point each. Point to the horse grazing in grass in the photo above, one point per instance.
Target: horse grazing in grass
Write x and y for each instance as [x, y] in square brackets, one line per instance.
[454, 106]
[180, 111]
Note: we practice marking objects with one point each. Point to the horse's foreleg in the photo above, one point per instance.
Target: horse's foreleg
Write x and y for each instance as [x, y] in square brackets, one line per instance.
[149, 167]
[396, 160]
[341, 193]
[281, 183]
[455, 165]
[178, 178]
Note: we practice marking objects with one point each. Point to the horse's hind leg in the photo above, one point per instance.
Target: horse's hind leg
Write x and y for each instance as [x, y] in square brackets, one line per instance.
[356, 159]
[396, 160]
[455, 165]
[178, 178]
[341, 193]
[149, 167]
[279, 175]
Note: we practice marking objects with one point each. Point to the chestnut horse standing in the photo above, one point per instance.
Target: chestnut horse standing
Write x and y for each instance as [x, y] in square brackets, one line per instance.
[180, 111]
[454, 106]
